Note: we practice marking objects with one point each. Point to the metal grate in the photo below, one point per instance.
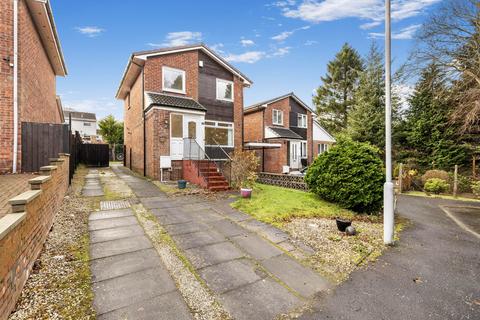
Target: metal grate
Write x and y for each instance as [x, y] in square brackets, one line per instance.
[111, 205]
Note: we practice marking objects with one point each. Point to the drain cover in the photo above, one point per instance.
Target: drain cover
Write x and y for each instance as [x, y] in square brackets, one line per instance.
[110, 205]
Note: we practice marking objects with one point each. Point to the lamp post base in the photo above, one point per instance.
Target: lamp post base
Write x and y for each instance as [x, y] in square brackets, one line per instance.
[388, 216]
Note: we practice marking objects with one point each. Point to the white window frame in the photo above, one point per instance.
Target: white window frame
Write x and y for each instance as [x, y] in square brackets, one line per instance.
[278, 112]
[303, 147]
[304, 120]
[216, 89]
[322, 147]
[184, 80]
[231, 126]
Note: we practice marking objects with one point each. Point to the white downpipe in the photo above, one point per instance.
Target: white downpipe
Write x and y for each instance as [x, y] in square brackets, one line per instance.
[15, 85]
[388, 195]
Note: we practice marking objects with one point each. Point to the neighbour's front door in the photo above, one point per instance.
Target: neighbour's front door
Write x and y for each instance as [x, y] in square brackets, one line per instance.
[176, 136]
[294, 154]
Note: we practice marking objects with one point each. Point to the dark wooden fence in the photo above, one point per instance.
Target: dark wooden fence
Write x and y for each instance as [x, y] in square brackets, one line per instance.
[96, 155]
[42, 141]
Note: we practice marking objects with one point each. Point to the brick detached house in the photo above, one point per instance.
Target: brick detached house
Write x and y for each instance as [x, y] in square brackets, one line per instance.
[183, 109]
[285, 134]
[30, 59]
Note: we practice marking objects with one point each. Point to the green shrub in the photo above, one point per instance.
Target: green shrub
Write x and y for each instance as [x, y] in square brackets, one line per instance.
[436, 185]
[438, 174]
[476, 188]
[464, 183]
[350, 174]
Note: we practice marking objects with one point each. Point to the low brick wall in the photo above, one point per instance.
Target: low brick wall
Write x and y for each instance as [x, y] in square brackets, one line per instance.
[24, 231]
[282, 180]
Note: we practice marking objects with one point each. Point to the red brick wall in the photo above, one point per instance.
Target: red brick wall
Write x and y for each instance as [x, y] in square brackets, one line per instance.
[21, 246]
[238, 114]
[253, 127]
[276, 158]
[283, 105]
[36, 80]
[6, 86]
[186, 61]
[133, 126]
[158, 141]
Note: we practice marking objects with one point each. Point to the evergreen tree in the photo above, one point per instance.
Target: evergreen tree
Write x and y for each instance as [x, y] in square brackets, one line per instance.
[429, 135]
[367, 119]
[334, 98]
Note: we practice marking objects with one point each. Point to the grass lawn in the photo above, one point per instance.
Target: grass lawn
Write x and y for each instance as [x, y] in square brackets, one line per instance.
[277, 205]
[438, 196]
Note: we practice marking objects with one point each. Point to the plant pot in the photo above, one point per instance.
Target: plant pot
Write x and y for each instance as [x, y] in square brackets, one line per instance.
[342, 224]
[246, 193]
[182, 184]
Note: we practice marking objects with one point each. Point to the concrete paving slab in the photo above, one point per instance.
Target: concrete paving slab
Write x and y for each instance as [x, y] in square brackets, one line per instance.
[207, 215]
[264, 299]
[273, 234]
[111, 223]
[228, 228]
[110, 248]
[115, 233]
[230, 275]
[122, 264]
[198, 239]
[212, 254]
[105, 214]
[174, 218]
[188, 227]
[237, 216]
[253, 225]
[132, 288]
[169, 306]
[296, 276]
[256, 247]
[92, 193]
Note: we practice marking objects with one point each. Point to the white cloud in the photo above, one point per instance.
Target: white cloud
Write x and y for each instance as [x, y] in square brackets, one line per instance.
[217, 47]
[370, 10]
[179, 38]
[404, 34]
[282, 4]
[310, 42]
[285, 34]
[403, 92]
[247, 42]
[246, 57]
[370, 25]
[90, 31]
[280, 52]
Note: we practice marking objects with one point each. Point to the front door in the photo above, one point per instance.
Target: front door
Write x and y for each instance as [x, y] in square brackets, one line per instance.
[184, 125]
[294, 154]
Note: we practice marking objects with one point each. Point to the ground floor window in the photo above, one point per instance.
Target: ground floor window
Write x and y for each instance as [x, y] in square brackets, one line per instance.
[218, 133]
[322, 147]
[303, 149]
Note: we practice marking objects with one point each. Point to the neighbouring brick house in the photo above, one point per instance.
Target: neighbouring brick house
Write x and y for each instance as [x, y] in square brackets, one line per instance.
[29, 86]
[182, 105]
[284, 133]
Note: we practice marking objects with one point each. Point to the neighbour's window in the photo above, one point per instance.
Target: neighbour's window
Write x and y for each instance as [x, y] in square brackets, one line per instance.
[192, 130]
[219, 133]
[177, 126]
[87, 124]
[224, 90]
[322, 147]
[277, 117]
[173, 80]
[302, 120]
[303, 149]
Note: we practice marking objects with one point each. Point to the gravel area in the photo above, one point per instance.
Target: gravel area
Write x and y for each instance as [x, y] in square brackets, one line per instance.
[336, 254]
[59, 285]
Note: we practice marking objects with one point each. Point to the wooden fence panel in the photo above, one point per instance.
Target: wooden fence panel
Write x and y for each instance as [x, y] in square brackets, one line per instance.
[42, 141]
[96, 155]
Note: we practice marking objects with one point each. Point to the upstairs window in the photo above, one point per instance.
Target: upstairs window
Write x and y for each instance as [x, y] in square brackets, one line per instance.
[87, 124]
[302, 120]
[224, 90]
[277, 117]
[173, 80]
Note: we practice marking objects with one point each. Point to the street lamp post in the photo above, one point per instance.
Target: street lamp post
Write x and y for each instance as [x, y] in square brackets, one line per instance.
[388, 187]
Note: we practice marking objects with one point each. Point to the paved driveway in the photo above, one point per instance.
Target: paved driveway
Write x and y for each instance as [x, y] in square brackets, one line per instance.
[433, 273]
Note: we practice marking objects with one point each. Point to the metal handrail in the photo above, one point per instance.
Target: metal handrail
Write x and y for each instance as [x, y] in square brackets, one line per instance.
[200, 149]
[229, 158]
[221, 148]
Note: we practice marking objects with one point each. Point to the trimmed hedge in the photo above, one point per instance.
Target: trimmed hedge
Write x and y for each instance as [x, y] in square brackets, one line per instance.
[350, 174]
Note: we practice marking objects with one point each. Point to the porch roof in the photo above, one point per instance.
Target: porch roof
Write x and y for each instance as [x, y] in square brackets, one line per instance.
[285, 133]
[160, 99]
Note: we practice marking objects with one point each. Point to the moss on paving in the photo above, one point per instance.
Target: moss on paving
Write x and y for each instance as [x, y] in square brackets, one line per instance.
[276, 205]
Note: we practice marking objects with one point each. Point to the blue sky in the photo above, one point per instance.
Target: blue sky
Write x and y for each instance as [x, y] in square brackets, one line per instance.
[282, 46]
